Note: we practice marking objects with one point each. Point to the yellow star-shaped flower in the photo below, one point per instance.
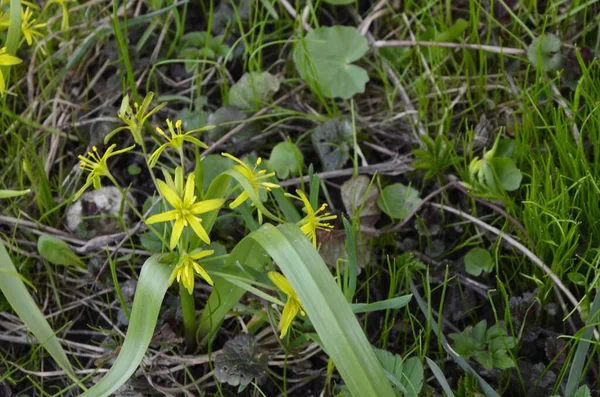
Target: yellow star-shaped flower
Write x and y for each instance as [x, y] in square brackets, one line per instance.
[256, 179]
[29, 26]
[184, 210]
[134, 118]
[176, 140]
[313, 221]
[187, 264]
[292, 306]
[6, 60]
[97, 166]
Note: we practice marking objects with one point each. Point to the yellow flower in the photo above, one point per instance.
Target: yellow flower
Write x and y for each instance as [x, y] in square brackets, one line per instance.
[256, 179]
[176, 140]
[97, 167]
[6, 60]
[184, 210]
[184, 270]
[312, 221]
[134, 119]
[29, 26]
[292, 306]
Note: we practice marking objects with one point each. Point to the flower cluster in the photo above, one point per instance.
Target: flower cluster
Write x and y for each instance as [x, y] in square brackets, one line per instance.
[186, 205]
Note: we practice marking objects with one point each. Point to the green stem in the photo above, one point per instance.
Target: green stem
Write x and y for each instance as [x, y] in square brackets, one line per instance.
[189, 316]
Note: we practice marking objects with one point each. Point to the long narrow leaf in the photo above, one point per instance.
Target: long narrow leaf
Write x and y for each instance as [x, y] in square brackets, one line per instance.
[149, 294]
[582, 348]
[439, 375]
[226, 294]
[20, 300]
[327, 309]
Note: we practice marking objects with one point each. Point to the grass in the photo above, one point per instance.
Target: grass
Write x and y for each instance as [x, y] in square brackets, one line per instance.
[462, 95]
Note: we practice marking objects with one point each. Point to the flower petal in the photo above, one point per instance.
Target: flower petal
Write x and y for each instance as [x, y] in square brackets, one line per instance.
[200, 270]
[206, 206]
[176, 233]
[281, 282]
[164, 217]
[239, 200]
[169, 194]
[290, 310]
[198, 229]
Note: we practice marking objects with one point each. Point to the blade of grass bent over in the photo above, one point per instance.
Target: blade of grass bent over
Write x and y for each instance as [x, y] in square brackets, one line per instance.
[149, 294]
[20, 300]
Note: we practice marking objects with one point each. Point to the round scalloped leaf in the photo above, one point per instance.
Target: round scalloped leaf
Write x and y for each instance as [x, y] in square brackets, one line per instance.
[286, 159]
[324, 60]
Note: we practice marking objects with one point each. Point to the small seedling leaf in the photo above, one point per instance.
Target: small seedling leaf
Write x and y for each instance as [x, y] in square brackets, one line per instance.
[286, 159]
[58, 252]
[507, 172]
[544, 52]
[324, 60]
[398, 200]
[252, 90]
[478, 260]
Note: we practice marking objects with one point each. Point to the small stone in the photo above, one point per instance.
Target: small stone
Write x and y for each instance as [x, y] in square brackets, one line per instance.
[99, 212]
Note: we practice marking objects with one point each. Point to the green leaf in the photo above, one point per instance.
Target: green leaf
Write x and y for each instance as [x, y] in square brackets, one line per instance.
[58, 252]
[240, 361]
[332, 141]
[441, 378]
[544, 52]
[214, 165]
[577, 278]
[478, 260]
[286, 159]
[479, 332]
[507, 172]
[502, 360]
[15, 292]
[393, 304]
[13, 193]
[398, 200]
[149, 294]
[252, 90]
[324, 60]
[484, 358]
[324, 304]
[583, 391]
[406, 375]
[195, 39]
[583, 345]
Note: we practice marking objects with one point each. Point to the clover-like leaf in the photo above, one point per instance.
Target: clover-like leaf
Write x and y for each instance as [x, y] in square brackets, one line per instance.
[478, 260]
[239, 361]
[286, 159]
[398, 200]
[324, 60]
[252, 89]
[544, 52]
